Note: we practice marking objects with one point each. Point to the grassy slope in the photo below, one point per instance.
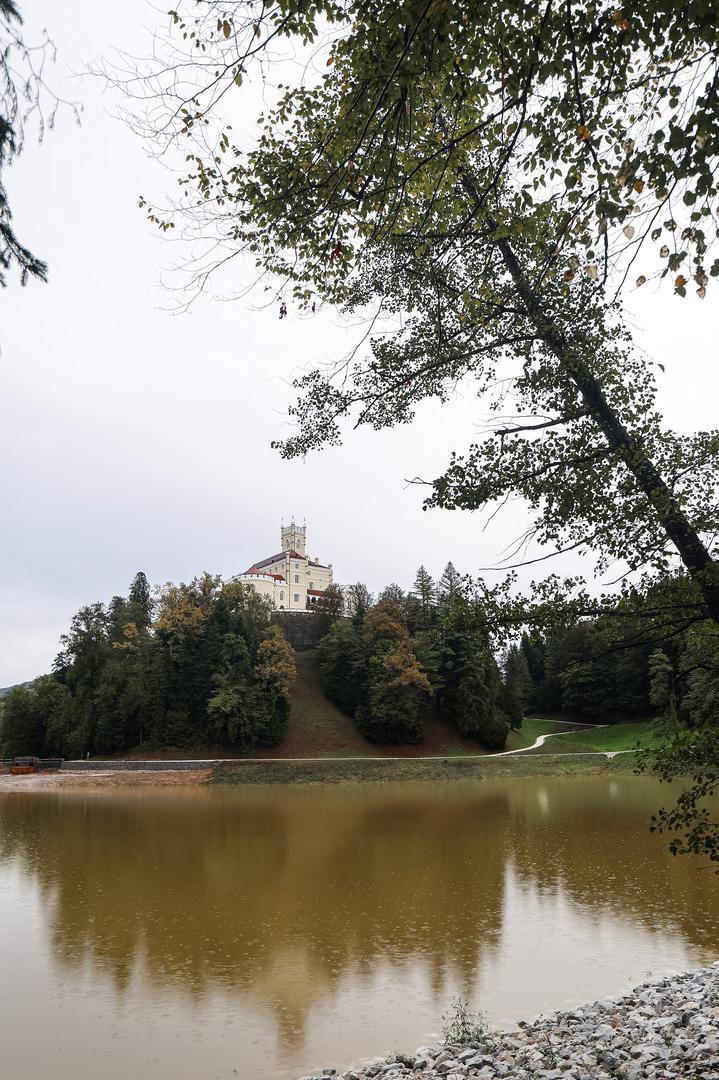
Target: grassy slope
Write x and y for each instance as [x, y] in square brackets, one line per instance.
[643, 733]
[317, 728]
[531, 729]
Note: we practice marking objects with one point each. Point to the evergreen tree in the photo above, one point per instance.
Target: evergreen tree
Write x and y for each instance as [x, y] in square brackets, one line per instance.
[516, 686]
[449, 587]
[535, 649]
[477, 710]
[139, 601]
[343, 665]
[661, 689]
[421, 607]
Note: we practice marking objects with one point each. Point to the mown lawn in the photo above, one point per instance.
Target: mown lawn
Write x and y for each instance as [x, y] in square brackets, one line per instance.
[644, 734]
[530, 731]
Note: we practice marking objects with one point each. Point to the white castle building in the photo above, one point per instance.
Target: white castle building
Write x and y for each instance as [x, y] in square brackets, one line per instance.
[291, 580]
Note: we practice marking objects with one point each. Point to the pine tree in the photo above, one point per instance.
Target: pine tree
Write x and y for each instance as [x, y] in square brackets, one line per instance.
[449, 587]
[516, 686]
[424, 591]
[139, 601]
[477, 711]
[343, 665]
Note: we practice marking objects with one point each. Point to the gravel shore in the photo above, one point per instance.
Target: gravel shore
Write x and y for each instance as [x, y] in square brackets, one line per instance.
[667, 1030]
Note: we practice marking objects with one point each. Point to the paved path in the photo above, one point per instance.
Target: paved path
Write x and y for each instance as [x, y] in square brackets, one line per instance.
[155, 765]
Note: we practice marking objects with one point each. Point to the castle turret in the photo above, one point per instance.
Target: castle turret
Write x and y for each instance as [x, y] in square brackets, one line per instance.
[293, 538]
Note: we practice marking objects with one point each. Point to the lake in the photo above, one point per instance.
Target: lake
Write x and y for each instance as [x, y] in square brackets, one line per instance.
[194, 934]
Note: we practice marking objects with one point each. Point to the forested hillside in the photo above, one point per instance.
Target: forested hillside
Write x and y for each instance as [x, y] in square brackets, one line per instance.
[198, 663]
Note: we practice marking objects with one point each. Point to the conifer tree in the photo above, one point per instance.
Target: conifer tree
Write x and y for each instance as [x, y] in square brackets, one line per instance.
[516, 687]
[449, 586]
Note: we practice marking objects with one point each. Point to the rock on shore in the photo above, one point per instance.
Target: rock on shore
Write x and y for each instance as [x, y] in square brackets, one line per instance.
[666, 1030]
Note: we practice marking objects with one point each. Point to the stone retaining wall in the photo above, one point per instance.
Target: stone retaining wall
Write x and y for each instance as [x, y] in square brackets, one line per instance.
[87, 764]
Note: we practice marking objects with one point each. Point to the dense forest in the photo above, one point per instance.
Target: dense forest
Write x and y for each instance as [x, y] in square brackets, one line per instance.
[196, 664]
[201, 664]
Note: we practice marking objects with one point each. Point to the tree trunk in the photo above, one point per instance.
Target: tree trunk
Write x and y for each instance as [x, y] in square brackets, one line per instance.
[703, 569]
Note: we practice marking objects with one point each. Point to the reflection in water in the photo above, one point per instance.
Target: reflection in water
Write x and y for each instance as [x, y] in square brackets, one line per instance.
[270, 930]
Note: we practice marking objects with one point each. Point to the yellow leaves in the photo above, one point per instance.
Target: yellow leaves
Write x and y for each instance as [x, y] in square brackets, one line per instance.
[638, 186]
[640, 280]
[226, 28]
[628, 231]
[701, 278]
[620, 20]
[583, 132]
[701, 293]
[592, 272]
[680, 281]
[275, 667]
[664, 252]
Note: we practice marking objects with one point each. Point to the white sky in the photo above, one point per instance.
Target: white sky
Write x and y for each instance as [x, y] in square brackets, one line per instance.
[133, 439]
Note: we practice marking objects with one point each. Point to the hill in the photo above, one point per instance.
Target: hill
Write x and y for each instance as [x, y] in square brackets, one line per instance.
[317, 728]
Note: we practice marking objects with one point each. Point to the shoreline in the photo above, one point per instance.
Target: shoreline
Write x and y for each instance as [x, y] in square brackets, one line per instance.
[662, 1030]
[315, 771]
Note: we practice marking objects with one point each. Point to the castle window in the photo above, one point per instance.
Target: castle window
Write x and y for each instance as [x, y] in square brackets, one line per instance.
[297, 598]
[282, 595]
[312, 584]
[297, 579]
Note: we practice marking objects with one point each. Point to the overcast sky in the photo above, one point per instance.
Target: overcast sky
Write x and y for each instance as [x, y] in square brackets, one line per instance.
[135, 439]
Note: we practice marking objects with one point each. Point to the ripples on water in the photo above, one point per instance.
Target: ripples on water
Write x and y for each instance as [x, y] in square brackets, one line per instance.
[189, 933]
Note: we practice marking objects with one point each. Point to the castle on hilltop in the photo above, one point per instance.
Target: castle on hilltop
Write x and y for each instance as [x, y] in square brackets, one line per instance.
[289, 579]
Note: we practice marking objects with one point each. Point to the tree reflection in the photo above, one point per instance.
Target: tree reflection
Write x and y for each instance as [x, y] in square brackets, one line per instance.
[280, 893]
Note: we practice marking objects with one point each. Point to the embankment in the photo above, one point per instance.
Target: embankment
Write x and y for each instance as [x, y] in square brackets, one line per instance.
[667, 1030]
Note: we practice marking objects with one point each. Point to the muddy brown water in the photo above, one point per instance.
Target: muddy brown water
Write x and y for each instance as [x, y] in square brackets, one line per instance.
[194, 934]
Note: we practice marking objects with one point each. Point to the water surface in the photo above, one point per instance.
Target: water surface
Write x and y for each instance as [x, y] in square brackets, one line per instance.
[198, 934]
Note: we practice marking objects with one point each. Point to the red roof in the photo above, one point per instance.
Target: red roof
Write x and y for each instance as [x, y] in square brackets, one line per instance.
[316, 592]
[254, 570]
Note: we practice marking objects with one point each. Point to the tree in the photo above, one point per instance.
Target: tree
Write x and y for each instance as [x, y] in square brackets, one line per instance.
[449, 587]
[661, 690]
[34, 720]
[477, 703]
[447, 216]
[517, 684]
[358, 601]
[425, 589]
[342, 664]
[393, 592]
[330, 606]
[139, 601]
[491, 176]
[275, 671]
[22, 732]
[397, 696]
[24, 96]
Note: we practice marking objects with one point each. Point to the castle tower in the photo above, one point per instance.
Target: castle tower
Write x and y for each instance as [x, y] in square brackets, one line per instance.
[294, 538]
